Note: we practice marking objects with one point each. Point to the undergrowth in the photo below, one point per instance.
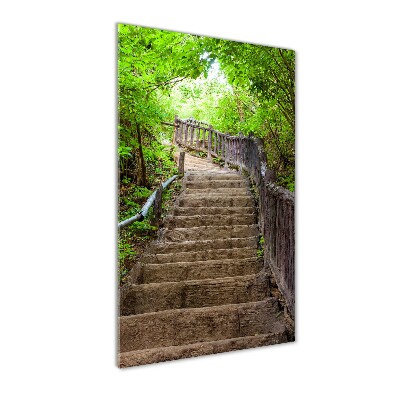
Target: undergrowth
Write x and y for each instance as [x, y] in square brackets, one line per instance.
[133, 239]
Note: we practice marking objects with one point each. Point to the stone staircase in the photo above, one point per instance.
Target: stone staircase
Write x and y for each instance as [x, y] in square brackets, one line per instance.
[201, 289]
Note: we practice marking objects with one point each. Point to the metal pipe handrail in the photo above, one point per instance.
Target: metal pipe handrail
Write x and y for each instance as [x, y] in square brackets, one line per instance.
[145, 209]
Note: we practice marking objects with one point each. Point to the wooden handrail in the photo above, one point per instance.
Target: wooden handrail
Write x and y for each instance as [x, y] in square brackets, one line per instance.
[168, 123]
[276, 204]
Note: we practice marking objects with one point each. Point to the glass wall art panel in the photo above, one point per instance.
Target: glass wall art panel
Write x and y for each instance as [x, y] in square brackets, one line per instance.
[206, 180]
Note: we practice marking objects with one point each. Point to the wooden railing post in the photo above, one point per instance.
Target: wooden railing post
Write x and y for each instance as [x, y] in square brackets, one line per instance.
[191, 134]
[223, 139]
[209, 142]
[186, 133]
[240, 152]
[198, 138]
[181, 165]
[157, 210]
[226, 151]
[175, 130]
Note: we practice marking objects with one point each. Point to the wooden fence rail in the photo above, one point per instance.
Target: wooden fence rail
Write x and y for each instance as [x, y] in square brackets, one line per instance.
[276, 204]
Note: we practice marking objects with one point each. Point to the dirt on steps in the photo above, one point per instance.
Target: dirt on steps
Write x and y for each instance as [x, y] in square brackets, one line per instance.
[201, 288]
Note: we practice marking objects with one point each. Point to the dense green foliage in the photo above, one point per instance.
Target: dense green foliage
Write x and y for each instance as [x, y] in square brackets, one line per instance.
[263, 81]
[234, 86]
[251, 90]
[150, 62]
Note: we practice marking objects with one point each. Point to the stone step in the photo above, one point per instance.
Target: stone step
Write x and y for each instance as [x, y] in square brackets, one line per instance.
[205, 169]
[154, 297]
[200, 162]
[210, 211]
[197, 160]
[208, 169]
[217, 191]
[219, 200]
[161, 354]
[221, 171]
[190, 158]
[208, 220]
[202, 255]
[201, 165]
[180, 271]
[216, 184]
[205, 177]
[163, 247]
[210, 233]
[190, 325]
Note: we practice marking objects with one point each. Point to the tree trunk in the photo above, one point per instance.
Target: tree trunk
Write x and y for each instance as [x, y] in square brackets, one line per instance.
[141, 170]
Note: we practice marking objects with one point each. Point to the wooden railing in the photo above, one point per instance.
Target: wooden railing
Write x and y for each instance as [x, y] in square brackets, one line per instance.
[275, 204]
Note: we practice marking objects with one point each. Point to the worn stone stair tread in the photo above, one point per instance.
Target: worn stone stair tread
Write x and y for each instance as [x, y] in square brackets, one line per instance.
[232, 279]
[216, 253]
[223, 200]
[205, 169]
[219, 172]
[216, 192]
[210, 182]
[201, 233]
[153, 297]
[225, 192]
[201, 164]
[213, 194]
[202, 255]
[191, 221]
[180, 271]
[188, 246]
[194, 159]
[217, 184]
[190, 325]
[204, 177]
[207, 211]
[161, 354]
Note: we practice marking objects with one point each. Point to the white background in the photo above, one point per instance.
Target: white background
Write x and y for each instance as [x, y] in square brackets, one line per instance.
[57, 156]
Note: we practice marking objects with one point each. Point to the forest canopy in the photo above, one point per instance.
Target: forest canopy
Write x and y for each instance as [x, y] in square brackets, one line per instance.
[236, 87]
